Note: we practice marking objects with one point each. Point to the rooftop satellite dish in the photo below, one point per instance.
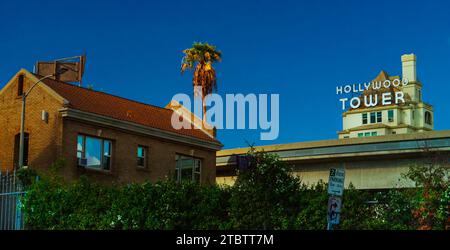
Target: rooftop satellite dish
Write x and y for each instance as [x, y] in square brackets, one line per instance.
[73, 69]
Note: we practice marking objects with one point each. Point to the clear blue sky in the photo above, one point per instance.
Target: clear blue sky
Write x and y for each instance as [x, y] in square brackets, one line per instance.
[300, 50]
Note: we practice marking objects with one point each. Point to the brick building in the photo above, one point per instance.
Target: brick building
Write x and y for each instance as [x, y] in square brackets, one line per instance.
[109, 138]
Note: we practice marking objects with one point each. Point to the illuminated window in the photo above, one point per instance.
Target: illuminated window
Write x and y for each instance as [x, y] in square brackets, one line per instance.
[93, 152]
[366, 134]
[142, 157]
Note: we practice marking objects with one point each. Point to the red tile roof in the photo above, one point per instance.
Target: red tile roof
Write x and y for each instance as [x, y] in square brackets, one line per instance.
[101, 103]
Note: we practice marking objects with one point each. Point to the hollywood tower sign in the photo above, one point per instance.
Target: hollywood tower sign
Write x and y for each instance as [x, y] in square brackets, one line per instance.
[385, 105]
[373, 93]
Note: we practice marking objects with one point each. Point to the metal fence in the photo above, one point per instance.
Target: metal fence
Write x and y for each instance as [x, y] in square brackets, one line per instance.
[11, 193]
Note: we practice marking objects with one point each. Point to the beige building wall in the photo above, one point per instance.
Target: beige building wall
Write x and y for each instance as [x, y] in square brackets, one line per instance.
[371, 162]
[362, 174]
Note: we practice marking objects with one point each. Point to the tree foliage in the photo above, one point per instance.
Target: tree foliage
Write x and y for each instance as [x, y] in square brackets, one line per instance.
[200, 58]
[266, 195]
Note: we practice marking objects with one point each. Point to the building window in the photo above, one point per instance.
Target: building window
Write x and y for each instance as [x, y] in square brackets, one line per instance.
[80, 147]
[379, 117]
[187, 168]
[367, 134]
[94, 152]
[142, 157]
[372, 117]
[20, 85]
[106, 162]
[375, 117]
[346, 136]
[428, 119]
[390, 115]
[26, 140]
[364, 118]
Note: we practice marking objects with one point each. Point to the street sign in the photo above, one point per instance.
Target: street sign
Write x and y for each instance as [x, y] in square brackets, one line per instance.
[334, 210]
[336, 181]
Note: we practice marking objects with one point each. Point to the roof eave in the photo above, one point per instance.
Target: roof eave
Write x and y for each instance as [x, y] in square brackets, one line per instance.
[137, 128]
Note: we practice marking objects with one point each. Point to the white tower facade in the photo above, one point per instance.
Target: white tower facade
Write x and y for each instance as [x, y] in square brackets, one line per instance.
[411, 116]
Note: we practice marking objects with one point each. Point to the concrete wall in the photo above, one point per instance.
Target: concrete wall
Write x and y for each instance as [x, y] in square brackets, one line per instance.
[370, 162]
[363, 174]
[368, 174]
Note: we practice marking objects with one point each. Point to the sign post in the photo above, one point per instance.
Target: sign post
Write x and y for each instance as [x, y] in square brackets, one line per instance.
[335, 190]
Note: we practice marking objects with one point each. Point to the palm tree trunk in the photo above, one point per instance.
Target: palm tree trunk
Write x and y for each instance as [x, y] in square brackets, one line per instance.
[204, 112]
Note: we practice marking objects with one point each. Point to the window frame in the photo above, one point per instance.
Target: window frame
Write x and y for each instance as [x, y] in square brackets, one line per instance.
[365, 120]
[391, 115]
[194, 172]
[109, 155]
[379, 117]
[20, 85]
[102, 152]
[428, 118]
[373, 117]
[144, 157]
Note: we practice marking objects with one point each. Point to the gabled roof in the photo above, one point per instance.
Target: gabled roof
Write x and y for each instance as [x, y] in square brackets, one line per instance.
[191, 117]
[381, 77]
[116, 107]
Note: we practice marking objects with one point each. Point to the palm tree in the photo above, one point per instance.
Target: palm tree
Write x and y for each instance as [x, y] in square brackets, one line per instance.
[201, 57]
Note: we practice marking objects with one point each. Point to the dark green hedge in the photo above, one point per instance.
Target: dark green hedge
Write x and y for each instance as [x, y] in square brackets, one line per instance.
[265, 196]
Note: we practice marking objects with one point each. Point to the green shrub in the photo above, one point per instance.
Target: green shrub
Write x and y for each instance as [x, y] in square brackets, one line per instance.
[265, 196]
[313, 201]
[85, 205]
